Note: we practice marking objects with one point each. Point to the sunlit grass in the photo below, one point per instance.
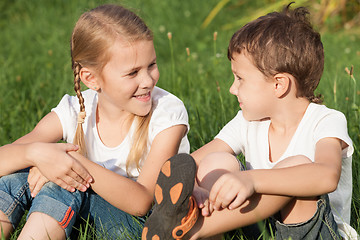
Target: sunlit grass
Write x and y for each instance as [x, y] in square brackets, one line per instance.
[35, 69]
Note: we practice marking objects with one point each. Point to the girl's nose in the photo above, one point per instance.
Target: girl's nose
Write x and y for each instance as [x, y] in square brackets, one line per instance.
[147, 81]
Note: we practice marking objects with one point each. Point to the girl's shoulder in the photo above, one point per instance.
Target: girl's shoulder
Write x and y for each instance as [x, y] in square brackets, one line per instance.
[161, 96]
[69, 104]
[163, 99]
[168, 110]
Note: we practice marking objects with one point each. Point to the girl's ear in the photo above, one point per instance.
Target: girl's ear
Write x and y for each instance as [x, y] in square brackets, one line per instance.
[282, 84]
[89, 78]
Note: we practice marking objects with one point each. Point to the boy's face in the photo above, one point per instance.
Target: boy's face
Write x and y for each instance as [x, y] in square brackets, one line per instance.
[254, 92]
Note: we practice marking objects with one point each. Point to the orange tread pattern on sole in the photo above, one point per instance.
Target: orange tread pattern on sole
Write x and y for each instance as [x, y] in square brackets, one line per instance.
[175, 192]
[158, 194]
[145, 231]
[166, 169]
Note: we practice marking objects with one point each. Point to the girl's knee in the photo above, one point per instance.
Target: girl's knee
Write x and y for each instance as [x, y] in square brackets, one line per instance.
[5, 225]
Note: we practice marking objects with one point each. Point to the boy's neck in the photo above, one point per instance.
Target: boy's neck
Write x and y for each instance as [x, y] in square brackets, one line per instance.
[288, 115]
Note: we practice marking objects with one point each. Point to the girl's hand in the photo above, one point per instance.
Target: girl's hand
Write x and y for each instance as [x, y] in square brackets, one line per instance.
[55, 164]
[230, 191]
[36, 180]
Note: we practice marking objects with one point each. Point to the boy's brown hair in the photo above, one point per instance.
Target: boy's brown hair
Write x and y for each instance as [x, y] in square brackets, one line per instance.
[284, 42]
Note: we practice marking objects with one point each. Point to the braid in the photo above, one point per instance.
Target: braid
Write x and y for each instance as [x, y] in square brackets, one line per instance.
[79, 138]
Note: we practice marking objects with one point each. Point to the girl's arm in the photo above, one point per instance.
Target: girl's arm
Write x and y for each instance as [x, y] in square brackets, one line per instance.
[135, 197]
[39, 148]
[215, 145]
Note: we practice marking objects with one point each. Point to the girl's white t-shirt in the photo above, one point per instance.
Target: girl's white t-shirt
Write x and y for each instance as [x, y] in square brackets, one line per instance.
[251, 139]
[168, 111]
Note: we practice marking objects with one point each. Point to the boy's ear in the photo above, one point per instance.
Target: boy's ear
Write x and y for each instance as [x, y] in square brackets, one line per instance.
[282, 84]
[88, 78]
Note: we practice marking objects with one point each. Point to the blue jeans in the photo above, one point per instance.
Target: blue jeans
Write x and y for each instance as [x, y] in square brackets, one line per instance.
[67, 208]
[320, 226]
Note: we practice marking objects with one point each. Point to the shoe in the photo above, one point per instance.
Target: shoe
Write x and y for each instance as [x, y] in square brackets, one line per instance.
[175, 211]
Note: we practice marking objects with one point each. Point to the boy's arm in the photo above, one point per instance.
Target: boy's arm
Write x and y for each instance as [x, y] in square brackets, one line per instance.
[303, 180]
[312, 179]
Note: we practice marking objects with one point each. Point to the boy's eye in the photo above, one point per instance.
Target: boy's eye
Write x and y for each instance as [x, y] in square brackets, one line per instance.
[133, 73]
[152, 64]
[238, 78]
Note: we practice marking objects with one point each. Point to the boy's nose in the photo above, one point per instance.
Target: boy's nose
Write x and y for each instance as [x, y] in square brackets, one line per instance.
[233, 89]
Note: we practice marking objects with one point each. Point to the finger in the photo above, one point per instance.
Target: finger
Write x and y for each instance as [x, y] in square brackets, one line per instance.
[239, 200]
[211, 208]
[64, 185]
[215, 190]
[32, 179]
[68, 147]
[82, 172]
[205, 211]
[73, 183]
[76, 180]
[39, 184]
[227, 195]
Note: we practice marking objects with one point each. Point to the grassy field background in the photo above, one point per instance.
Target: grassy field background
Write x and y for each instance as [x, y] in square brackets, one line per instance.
[35, 68]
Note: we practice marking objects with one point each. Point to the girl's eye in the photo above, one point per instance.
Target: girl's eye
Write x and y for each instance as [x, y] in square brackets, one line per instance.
[238, 78]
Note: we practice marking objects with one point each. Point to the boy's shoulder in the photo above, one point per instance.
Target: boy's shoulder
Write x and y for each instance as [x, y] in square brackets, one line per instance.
[321, 111]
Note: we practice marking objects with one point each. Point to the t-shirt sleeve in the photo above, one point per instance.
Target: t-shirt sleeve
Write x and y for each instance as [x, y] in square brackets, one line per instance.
[334, 125]
[233, 133]
[67, 114]
[169, 111]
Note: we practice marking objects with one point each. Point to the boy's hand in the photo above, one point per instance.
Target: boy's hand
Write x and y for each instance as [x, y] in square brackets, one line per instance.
[202, 199]
[54, 163]
[36, 181]
[230, 191]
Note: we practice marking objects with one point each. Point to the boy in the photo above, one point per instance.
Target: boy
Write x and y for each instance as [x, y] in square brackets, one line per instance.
[297, 152]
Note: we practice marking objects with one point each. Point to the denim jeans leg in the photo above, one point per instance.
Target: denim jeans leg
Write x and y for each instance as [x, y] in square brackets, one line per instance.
[110, 222]
[15, 196]
[321, 226]
[60, 204]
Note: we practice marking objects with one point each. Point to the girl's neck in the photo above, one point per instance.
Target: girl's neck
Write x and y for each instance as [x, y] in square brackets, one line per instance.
[112, 126]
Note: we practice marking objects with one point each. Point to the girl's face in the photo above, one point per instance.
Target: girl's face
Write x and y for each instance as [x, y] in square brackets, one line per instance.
[254, 93]
[129, 77]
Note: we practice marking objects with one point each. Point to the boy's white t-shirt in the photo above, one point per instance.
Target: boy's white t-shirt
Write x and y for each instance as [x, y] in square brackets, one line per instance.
[251, 139]
[168, 111]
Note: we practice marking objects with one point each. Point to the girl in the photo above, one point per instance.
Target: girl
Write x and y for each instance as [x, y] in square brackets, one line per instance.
[123, 129]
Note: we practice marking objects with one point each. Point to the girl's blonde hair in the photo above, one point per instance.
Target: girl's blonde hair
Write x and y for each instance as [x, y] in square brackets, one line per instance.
[93, 35]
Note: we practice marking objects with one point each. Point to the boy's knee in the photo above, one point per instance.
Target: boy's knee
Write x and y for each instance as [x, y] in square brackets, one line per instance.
[218, 161]
[293, 161]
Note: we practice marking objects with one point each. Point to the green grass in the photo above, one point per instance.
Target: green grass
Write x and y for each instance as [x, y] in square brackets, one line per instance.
[35, 69]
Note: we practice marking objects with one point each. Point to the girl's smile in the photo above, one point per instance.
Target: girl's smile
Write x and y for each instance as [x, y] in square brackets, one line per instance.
[144, 97]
